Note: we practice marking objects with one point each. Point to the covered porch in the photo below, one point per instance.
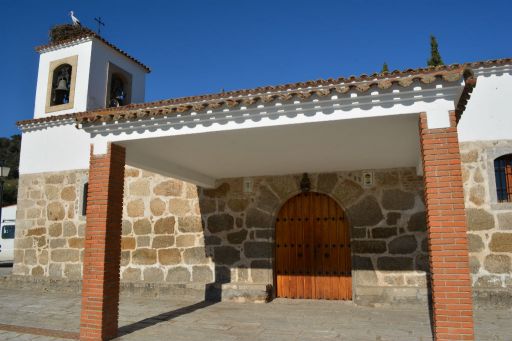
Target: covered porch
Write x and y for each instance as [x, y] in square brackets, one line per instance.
[383, 151]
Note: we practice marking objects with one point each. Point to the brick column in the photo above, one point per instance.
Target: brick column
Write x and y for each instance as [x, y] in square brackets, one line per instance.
[100, 285]
[447, 238]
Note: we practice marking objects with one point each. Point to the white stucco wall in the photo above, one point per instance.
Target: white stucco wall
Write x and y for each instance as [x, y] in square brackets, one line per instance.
[83, 51]
[488, 115]
[54, 149]
[101, 56]
[91, 76]
[435, 100]
[61, 146]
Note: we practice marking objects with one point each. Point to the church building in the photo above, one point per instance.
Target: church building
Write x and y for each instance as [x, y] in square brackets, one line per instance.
[380, 189]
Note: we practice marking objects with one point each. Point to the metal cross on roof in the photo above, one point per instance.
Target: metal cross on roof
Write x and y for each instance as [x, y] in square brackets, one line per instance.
[100, 23]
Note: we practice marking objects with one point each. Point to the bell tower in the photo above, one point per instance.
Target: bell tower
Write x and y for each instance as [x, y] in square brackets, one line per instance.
[81, 71]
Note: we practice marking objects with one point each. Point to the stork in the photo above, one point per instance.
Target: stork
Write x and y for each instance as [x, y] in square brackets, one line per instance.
[75, 20]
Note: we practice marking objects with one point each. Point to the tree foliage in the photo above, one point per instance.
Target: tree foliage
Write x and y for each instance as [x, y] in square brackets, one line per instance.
[10, 154]
[385, 68]
[435, 57]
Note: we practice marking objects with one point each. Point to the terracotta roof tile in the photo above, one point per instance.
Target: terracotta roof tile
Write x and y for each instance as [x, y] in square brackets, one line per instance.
[264, 95]
[230, 99]
[469, 85]
[90, 34]
[53, 118]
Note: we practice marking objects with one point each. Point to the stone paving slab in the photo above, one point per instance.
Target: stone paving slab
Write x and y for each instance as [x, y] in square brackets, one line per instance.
[186, 320]
[39, 331]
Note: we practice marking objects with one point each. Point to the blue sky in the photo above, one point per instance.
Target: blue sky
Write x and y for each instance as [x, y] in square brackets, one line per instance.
[197, 47]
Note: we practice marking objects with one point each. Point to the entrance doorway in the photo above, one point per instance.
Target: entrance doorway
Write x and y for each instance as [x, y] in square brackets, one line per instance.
[312, 249]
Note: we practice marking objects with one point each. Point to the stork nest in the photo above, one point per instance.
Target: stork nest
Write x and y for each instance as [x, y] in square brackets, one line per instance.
[66, 31]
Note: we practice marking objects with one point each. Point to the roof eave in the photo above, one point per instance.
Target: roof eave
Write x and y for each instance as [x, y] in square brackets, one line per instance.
[187, 103]
[85, 38]
[469, 84]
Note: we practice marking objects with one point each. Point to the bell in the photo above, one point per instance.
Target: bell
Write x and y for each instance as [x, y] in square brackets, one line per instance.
[63, 85]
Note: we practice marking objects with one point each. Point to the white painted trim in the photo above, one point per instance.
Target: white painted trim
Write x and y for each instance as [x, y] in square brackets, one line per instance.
[316, 110]
[492, 70]
[58, 46]
[46, 124]
[65, 44]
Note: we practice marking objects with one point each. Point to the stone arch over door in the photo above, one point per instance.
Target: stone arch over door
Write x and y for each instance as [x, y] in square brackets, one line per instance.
[312, 256]
[274, 192]
[387, 227]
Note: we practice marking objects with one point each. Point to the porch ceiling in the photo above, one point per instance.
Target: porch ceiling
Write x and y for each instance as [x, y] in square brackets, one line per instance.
[382, 142]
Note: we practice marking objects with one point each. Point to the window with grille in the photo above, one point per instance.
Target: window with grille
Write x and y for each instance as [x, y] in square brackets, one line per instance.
[503, 173]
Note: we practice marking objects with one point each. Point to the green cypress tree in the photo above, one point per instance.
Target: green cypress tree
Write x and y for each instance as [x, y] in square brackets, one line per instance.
[435, 57]
[385, 68]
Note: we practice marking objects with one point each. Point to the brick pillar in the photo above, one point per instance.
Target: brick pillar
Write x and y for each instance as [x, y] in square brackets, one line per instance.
[100, 285]
[447, 238]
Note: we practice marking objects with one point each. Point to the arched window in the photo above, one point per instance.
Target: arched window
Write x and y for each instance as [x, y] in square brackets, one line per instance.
[60, 90]
[61, 85]
[503, 174]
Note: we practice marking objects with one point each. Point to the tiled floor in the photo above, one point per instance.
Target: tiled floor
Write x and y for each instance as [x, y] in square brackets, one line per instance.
[180, 319]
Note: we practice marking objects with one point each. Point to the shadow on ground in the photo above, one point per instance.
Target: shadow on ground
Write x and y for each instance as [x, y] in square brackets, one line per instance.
[154, 320]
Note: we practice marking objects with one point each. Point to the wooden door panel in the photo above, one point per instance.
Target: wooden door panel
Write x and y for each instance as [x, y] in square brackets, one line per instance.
[293, 231]
[324, 255]
[312, 249]
[308, 249]
[286, 253]
[299, 242]
[334, 260]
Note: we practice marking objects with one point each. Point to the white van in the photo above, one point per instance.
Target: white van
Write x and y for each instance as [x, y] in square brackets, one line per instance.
[7, 230]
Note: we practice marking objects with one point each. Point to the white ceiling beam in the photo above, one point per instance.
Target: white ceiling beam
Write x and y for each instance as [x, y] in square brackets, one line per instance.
[136, 158]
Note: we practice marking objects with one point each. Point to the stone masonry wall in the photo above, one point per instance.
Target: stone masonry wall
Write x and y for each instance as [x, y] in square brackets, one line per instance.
[388, 228]
[489, 222]
[49, 225]
[175, 232]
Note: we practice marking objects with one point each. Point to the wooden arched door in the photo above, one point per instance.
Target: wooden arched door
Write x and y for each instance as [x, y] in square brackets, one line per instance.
[313, 249]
